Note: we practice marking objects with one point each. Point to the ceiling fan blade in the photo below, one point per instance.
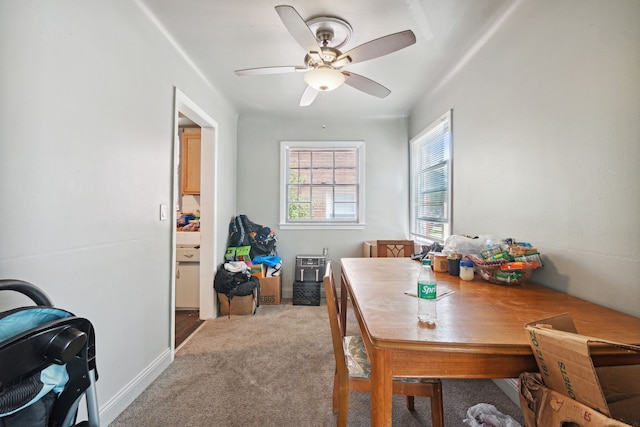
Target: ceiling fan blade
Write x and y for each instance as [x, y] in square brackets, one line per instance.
[299, 30]
[376, 48]
[308, 96]
[270, 70]
[365, 85]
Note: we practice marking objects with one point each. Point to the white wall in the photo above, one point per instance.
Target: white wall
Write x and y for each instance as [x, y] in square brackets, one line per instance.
[86, 145]
[386, 182]
[547, 142]
[546, 149]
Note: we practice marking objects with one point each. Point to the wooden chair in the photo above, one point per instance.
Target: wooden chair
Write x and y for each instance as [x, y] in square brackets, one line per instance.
[352, 367]
[395, 248]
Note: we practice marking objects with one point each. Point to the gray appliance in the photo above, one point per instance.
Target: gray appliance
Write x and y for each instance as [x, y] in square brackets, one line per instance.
[310, 268]
[309, 273]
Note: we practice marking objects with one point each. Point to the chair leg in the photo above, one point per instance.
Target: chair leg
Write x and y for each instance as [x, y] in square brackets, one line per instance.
[437, 410]
[336, 392]
[343, 407]
[410, 402]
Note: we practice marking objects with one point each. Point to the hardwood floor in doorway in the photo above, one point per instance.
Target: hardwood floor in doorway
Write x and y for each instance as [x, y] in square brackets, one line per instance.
[187, 321]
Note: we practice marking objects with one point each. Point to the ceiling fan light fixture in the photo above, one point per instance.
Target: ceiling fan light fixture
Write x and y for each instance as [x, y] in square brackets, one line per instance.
[324, 78]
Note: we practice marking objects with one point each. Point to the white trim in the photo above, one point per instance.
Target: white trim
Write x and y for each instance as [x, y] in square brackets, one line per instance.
[208, 205]
[123, 398]
[327, 226]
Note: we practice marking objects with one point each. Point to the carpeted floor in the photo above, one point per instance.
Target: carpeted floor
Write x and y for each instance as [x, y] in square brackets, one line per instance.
[276, 369]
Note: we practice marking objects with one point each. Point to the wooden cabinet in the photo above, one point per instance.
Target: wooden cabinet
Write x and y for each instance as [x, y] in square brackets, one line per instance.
[190, 161]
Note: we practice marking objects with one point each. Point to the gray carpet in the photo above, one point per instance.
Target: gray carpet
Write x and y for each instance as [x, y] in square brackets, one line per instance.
[276, 369]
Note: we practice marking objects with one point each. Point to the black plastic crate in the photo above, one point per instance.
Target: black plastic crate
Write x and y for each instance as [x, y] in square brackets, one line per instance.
[306, 293]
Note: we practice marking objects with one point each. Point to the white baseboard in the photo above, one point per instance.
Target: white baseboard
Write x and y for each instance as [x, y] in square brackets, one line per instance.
[510, 387]
[118, 403]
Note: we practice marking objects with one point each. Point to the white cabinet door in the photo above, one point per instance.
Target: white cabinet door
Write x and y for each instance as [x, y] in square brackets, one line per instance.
[187, 281]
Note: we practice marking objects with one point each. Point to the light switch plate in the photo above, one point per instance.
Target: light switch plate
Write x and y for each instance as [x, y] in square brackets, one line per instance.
[163, 212]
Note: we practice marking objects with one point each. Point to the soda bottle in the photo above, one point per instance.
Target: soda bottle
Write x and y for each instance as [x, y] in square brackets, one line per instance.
[427, 294]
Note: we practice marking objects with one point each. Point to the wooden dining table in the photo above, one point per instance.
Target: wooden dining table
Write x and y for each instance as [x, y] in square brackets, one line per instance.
[479, 331]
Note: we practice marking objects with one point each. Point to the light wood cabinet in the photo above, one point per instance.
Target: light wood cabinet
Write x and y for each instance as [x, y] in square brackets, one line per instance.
[190, 161]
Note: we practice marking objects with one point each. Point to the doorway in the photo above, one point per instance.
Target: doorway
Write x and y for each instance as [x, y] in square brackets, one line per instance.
[208, 167]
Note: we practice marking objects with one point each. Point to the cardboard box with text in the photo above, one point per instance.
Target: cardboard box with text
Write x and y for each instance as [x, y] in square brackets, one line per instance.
[270, 290]
[543, 407]
[566, 366]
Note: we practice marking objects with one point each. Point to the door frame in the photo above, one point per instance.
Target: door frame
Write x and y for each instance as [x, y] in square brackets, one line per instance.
[208, 204]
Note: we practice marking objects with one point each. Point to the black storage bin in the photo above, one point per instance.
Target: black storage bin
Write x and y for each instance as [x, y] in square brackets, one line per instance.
[306, 293]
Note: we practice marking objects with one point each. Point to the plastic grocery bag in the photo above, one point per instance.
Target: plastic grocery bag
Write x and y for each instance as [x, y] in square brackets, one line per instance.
[463, 245]
[486, 415]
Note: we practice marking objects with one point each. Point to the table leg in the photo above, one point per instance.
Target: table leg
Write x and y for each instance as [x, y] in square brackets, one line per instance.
[343, 305]
[381, 388]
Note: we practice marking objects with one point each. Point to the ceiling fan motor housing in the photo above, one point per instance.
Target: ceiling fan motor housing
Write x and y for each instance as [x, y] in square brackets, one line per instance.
[329, 54]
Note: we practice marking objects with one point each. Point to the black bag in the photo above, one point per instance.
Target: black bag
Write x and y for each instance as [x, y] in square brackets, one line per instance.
[243, 232]
[239, 284]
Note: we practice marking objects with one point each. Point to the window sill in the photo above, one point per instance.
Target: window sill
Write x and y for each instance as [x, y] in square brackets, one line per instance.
[310, 226]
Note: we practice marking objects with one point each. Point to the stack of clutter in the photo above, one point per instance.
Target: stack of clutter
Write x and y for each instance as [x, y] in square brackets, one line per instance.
[252, 261]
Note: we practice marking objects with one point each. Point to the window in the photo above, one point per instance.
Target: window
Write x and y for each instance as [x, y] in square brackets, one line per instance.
[322, 184]
[431, 181]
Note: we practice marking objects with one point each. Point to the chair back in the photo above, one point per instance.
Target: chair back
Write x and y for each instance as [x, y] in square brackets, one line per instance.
[334, 322]
[395, 248]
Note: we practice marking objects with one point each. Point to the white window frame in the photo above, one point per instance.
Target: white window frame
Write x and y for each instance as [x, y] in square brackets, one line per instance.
[285, 147]
[441, 128]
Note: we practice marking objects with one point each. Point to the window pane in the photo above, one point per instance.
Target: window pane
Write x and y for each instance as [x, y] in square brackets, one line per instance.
[300, 176]
[322, 176]
[299, 159]
[346, 176]
[432, 193]
[346, 159]
[299, 193]
[346, 194]
[322, 159]
[298, 211]
[345, 211]
[322, 202]
[432, 230]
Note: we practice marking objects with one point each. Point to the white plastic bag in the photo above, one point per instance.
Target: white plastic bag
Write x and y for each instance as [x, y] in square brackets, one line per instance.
[486, 415]
[463, 245]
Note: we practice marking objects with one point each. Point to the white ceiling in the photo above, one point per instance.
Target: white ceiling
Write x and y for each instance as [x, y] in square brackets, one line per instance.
[220, 36]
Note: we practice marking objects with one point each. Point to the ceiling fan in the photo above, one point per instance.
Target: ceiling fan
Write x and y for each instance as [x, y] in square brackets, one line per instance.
[321, 38]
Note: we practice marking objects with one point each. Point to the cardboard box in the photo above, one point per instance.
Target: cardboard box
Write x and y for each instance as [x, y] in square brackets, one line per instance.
[370, 248]
[543, 407]
[244, 305]
[270, 290]
[566, 366]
